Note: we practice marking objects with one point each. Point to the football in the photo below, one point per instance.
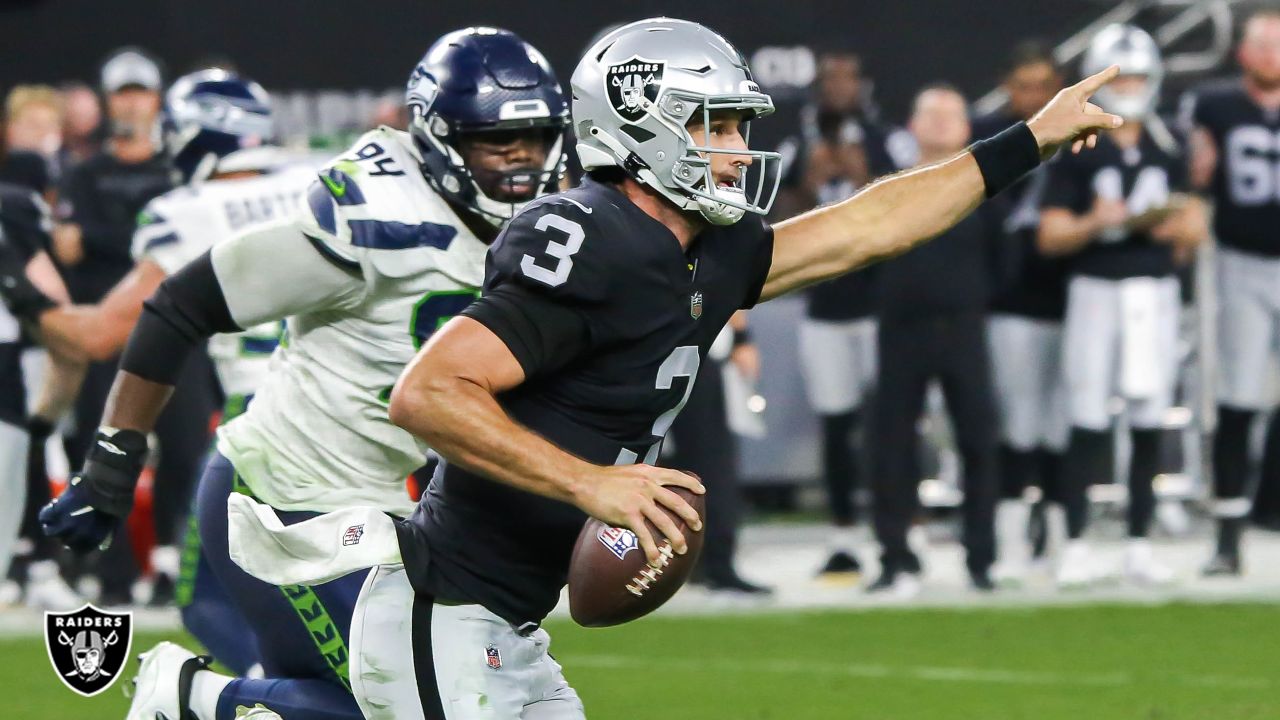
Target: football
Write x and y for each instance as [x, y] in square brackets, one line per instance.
[611, 583]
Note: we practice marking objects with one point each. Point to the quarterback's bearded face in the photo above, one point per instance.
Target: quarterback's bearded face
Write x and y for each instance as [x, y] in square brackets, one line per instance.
[508, 164]
[1260, 51]
[727, 131]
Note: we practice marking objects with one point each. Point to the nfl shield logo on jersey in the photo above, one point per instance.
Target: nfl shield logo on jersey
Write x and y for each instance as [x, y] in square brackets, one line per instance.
[88, 647]
[492, 657]
[620, 541]
[352, 535]
[630, 81]
[695, 305]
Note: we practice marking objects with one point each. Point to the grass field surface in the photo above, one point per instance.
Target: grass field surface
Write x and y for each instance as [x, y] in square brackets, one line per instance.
[1093, 662]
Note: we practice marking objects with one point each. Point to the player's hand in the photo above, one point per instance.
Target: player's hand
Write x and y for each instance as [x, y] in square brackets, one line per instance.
[1107, 214]
[1071, 118]
[17, 292]
[100, 495]
[628, 495]
[72, 519]
[746, 358]
[68, 244]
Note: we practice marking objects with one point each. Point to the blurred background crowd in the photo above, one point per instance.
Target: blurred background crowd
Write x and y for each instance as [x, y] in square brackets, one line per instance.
[1097, 343]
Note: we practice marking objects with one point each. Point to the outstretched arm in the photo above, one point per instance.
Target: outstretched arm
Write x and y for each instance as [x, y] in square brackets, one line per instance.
[904, 210]
[98, 332]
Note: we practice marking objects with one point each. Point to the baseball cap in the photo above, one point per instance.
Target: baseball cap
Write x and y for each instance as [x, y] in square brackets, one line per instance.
[130, 67]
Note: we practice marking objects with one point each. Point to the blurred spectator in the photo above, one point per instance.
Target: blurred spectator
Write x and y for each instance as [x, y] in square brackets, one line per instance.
[1025, 329]
[1115, 211]
[99, 202]
[933, 303]
[1233, 131]
[392, 112]
[32, 136]
[703, 444]
[81, 125]
[838, 150]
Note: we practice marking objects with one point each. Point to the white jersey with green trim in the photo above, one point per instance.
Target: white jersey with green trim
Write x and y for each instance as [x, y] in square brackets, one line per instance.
[184, 223]
[317, 435]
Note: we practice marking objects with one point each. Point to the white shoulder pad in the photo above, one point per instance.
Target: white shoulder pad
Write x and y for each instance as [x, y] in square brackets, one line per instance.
[372, 202]
[169, 229]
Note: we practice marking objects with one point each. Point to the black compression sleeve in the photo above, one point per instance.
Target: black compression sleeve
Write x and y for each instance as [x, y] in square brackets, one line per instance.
[542, 334]
[187, 309]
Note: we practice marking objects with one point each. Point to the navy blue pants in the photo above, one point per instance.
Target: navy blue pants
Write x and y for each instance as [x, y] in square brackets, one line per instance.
[301, 631]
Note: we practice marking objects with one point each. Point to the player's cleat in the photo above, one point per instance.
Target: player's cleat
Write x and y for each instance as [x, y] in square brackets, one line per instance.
[257, 712]
[897, 583]
[1223, 565]
[162, 687]
[841, 565]
[734, 583]
[163, 591]
[980, 580]
[46, 590]
[1079, 568]
[1013, 547]
[1141, 566]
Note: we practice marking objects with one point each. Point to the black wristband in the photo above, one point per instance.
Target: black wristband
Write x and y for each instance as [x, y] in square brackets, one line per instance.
[741, 337]
[1005, 158]
[111, 469]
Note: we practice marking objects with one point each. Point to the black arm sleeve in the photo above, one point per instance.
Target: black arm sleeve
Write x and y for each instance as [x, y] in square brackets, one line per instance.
[187, 309]
[542, 334]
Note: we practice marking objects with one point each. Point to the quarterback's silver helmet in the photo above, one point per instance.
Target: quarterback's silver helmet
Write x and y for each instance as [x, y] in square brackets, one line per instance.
[1137, 55]
[636, 90]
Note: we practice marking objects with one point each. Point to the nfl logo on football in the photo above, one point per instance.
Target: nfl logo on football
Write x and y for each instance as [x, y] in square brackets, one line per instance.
[620, 541]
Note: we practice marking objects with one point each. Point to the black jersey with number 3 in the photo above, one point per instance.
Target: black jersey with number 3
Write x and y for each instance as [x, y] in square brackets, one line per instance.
[1142, 177]
[610, 319]
[1246, 182]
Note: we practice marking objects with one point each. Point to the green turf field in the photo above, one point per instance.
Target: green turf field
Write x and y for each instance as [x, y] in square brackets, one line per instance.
[1216, 662]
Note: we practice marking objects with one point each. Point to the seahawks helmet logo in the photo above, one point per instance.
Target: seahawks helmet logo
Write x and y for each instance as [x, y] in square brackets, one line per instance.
[631, 81]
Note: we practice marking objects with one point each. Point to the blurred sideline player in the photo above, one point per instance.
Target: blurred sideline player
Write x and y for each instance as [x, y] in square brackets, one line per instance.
[391, 245]
[1114, 211]
[550, 396]
[839, 149]
[25, 262]
[1024, 330]
[217, 132]
[1234, 143]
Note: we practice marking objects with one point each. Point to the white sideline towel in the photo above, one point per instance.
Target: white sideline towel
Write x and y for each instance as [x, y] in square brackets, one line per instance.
[1141, 368]
[311, 552]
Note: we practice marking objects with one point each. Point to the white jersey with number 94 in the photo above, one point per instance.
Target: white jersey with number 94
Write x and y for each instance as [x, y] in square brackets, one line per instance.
[373, 265]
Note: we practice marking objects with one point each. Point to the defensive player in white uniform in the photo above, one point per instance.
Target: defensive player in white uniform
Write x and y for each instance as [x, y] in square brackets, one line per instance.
[216, 127]
[391, 244]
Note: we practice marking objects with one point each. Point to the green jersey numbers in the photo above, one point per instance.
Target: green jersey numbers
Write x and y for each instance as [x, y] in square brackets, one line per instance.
[435, 309]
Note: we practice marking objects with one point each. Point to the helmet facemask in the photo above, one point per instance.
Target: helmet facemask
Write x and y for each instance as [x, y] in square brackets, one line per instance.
[481, 190]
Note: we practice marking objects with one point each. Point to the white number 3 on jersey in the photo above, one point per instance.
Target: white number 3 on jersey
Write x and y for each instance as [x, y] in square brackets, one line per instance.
[561, 251]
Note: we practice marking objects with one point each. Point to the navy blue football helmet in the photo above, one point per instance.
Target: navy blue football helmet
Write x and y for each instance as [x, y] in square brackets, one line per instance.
[212, 115]
[485, 80]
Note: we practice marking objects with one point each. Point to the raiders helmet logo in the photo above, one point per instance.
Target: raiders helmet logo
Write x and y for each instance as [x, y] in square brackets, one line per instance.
[88, 647]
[631, 81]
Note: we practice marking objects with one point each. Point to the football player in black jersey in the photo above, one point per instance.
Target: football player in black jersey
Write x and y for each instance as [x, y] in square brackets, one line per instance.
[841, 146]
[550, 396]
[1235, 141]
[24, 256]
[1024, 331]
[1114, 210]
